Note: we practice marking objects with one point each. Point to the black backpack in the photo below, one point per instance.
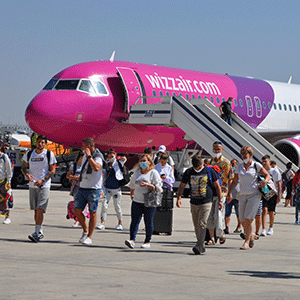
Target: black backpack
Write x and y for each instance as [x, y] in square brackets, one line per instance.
[126, 175]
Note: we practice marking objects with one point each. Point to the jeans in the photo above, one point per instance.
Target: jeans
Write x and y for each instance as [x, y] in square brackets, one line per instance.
[297, 209]
[228, 207]
[137, 211]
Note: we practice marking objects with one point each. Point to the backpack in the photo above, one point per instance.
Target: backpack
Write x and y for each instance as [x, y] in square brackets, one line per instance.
[218, 172]
[48, 156]
[284, 178]
[125, 173]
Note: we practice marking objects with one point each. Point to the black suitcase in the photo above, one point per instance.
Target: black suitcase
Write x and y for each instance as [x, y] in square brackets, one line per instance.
[163, 220]
[167, 198]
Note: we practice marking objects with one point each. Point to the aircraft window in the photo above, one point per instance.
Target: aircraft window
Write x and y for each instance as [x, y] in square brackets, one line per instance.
[241, 103]
[186, 96]
[206, 97]
[100, 87]
[279, 105]
[284, 106]
[258, 104]
[269, 105]
[180, 94]
[290, 107]
[274, 106]
[174, 94]
[299, 107]
[167, 93]
[295, 108]
[212, 99]
[223, 99]
[161, 93]
[154, 93]
[50, 84]
[264, 105]
[67, 84]
[86, 86]
[193, 96]
[199, 97]
[235, 102]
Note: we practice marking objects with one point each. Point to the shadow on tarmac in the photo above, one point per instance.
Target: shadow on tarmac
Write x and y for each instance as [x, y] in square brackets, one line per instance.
[266, 274]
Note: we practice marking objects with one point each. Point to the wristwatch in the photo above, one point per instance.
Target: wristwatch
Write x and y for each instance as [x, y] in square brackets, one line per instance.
[90, 156]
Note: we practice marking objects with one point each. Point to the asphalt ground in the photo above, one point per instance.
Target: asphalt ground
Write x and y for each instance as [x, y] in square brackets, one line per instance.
[60, 268]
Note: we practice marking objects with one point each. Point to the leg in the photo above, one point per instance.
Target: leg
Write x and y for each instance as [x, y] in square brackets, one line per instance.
[257, 224]
[148, 218]
[264, 217]
[211, 221]
[81, 219]
[117, 204]
[136, 216]
[271, 216]
[248, 230]
[228, 211]
[105, 206]
[92, 223]
[39, 216]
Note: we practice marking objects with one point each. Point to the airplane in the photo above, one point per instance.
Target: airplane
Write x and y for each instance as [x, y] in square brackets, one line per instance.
[93, 99]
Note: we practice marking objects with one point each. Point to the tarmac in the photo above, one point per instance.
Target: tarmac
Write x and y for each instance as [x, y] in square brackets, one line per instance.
[60, 268]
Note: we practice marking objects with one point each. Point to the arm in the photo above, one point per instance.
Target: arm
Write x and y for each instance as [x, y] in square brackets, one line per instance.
[279, 191]
[220, 109]
[131, 193]
[70, 176]
[24, 171]
[95, 166]
[264, 172]
[40, 182]
[232, 187]
[179, 194]
[8, 170]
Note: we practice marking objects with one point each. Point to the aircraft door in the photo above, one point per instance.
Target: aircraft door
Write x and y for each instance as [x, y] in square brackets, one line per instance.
[249, 104]
[258, 107]
[132, 86]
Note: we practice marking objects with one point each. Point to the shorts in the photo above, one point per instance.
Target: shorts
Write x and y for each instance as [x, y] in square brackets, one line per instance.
[228, 208]
[259, 211]
[271, 203]
[248, 206]
[38, 198]
[87, 196]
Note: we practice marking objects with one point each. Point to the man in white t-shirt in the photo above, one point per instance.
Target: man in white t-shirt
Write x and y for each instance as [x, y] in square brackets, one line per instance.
[91, 180]
[270, 205]
[38, 168]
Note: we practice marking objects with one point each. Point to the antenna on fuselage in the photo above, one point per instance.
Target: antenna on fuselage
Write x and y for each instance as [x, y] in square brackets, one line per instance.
[290, 80]
[112, 58]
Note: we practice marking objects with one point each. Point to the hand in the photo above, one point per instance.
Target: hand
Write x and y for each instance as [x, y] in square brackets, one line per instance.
[220, 205]
[179, 202]
[262, 184]
[87, 151]
[143, 184]
[29, 177]
[39, 183]
[278, 199]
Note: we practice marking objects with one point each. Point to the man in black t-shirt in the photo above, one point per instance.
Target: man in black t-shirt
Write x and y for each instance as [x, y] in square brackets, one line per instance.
[201, 180]
[226, 111]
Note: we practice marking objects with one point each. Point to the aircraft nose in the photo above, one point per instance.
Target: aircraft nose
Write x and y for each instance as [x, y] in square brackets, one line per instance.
[43, 113]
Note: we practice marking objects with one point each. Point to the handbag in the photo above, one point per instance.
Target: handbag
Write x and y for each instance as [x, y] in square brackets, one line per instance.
[152, 199]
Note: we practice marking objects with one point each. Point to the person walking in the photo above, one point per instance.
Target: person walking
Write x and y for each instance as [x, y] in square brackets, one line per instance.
[112, 188]
[39, 167]
[5, 183]
[89, 191]
[250, 196]
[201, 197]
[143, 180]
[226, 111]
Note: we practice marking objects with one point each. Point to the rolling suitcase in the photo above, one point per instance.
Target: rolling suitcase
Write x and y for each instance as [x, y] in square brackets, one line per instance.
[163, 220]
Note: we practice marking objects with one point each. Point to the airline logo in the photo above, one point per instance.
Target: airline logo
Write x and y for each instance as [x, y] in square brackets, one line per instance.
[183, 85]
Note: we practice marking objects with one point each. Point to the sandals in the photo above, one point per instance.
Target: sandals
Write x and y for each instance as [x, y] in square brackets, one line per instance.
[244, 247]
[222, 240]
[251, 243]
[210, 242]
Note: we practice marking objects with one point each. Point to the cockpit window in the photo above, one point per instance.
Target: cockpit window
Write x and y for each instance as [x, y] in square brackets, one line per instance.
[67, 84]
[86, 86]
[100, 87]
[50, 84]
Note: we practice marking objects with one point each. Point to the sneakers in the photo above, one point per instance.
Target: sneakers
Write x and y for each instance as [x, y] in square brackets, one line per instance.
[146, 246]
[7, 221]
[263, 232]
[270, 231]
[129, 244]
[101, 226]
[296, 222]
[83, 237]
[87, 241]
[36, 237]
[119, 227]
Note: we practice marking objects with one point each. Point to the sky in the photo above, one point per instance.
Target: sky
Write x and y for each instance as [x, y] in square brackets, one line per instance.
[39, 38]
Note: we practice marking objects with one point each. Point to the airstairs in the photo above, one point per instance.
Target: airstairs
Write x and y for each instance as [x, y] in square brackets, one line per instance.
[200, 120]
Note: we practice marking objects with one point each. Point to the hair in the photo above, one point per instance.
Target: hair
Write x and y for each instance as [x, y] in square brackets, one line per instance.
[234, 160]
[273, 162]
[89, 141]
[151, 165]
[289, 165]
[111, 151]
[197, 161]
[164, 156]
[2, 147]
[266, 157]
[80, 154]
[230, 99]
[42, 137]
[217, 143]
[148, 150]
[207, 161]
[247, 148]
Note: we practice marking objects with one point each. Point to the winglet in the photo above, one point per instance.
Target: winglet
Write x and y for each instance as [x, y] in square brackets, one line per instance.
[112, 58]
[290, 80]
